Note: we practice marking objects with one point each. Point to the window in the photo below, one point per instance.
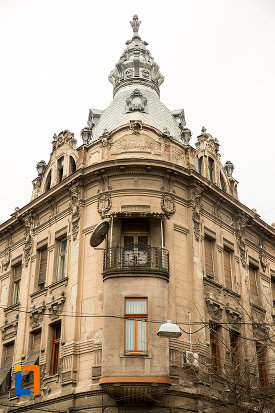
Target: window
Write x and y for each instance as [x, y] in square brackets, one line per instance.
[56, 331]
[5, 371]
[43, 255]
[61, 259]
[48, 181]
[273, 291]
[227, 258]
[222, 183]
[17, 271]
[33, 357]
[210, 169]
[135, 240]
[209, 257]
[253, 280]
[234, 350]
[199, 165]
[72, 165]
[261, 350]
[60, 167]
[214, 347]
[136, 325]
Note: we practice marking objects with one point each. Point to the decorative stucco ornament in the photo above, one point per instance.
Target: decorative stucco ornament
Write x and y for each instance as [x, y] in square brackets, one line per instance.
[136, 65]
[136, 102]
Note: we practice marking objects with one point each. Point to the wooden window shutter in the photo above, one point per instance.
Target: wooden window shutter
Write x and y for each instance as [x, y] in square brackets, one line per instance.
[208, 248]
[17, 271]
[227, 268]
[260, 349]
[42, 266]
[253, 283]
[36, 340]
[9, 352]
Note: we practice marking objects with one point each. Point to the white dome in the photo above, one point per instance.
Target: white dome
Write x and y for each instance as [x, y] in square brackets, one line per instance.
[157, 114]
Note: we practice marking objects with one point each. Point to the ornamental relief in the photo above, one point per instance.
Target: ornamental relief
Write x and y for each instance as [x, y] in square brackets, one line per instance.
[214, 309]
[234, 318]
[168, 204]
[104, 204]
[132, 143]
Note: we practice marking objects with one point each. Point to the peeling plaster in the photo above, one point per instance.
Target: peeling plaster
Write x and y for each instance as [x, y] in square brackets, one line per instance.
[4, 293]
[73, 297]
[98, 336]
[88, 307]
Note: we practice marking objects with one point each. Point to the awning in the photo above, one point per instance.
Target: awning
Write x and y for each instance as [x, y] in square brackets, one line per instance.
[32, 359]
[4, 371]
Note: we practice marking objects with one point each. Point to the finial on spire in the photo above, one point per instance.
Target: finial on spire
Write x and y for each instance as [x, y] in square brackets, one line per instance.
[135, 23]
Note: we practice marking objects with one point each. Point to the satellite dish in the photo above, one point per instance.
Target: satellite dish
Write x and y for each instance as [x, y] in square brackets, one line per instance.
[99, 233]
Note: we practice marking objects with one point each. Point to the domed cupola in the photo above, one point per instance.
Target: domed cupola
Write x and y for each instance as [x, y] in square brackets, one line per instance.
[136, 64]
[136, 80]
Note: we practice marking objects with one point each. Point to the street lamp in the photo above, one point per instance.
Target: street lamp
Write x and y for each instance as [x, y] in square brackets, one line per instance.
[169, 330]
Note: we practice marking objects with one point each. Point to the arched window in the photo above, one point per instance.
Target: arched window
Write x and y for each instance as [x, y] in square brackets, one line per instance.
[222, 183]
[48, 181]
[72, 165]
[210, 169]
[199, 165]
[60, 168]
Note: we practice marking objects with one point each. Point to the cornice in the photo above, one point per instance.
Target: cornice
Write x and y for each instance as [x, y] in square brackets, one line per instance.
[189, 174]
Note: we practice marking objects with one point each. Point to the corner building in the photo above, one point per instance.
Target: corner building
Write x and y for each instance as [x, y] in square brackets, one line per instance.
[179, 246]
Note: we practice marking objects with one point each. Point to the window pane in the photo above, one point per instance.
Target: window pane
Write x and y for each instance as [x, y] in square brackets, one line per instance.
[136, 306]
[208, 249]
[227, 268]
[63, 245]
[141, 341]
[61, 267]
[130, 335]
[16, 288]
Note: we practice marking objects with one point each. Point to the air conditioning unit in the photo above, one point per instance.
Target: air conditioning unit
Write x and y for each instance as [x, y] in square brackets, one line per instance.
[191, 358]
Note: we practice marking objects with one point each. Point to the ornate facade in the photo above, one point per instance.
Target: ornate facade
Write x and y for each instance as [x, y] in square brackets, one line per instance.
[180, 246]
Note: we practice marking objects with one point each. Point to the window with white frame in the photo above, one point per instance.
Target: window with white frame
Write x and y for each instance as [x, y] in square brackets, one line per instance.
[136, 315]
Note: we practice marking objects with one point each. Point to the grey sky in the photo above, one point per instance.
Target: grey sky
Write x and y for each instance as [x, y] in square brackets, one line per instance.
[217, 57]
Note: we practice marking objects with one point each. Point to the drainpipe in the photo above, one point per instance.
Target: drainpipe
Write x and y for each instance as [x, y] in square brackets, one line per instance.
[111, 239]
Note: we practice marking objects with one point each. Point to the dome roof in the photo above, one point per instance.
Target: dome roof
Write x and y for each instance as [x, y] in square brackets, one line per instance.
[155, 114]
[136, 79]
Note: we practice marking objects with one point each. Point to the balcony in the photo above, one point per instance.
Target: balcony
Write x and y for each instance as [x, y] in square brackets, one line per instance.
[136, 258]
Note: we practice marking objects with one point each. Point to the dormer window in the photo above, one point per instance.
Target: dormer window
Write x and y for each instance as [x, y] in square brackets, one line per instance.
[210, 169]
[199, 165]
[48, 182]
[60, 167]
[72, 165]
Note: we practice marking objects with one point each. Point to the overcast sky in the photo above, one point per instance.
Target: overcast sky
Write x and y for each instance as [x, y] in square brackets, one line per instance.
[217, 57]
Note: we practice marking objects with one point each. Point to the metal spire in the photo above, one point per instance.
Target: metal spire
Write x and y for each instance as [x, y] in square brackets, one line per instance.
[135, 23]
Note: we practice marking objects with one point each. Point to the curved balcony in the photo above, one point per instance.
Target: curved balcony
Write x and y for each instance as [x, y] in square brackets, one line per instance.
[136, 258]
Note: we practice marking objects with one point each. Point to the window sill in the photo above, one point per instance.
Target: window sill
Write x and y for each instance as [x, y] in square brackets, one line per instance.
[39, 293]
[57, 284]
[135, 355]
[257, 306]
[10, 308]
[232, 292]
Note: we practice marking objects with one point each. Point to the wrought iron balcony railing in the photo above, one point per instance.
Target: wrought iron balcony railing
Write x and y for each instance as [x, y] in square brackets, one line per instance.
[136, 257]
